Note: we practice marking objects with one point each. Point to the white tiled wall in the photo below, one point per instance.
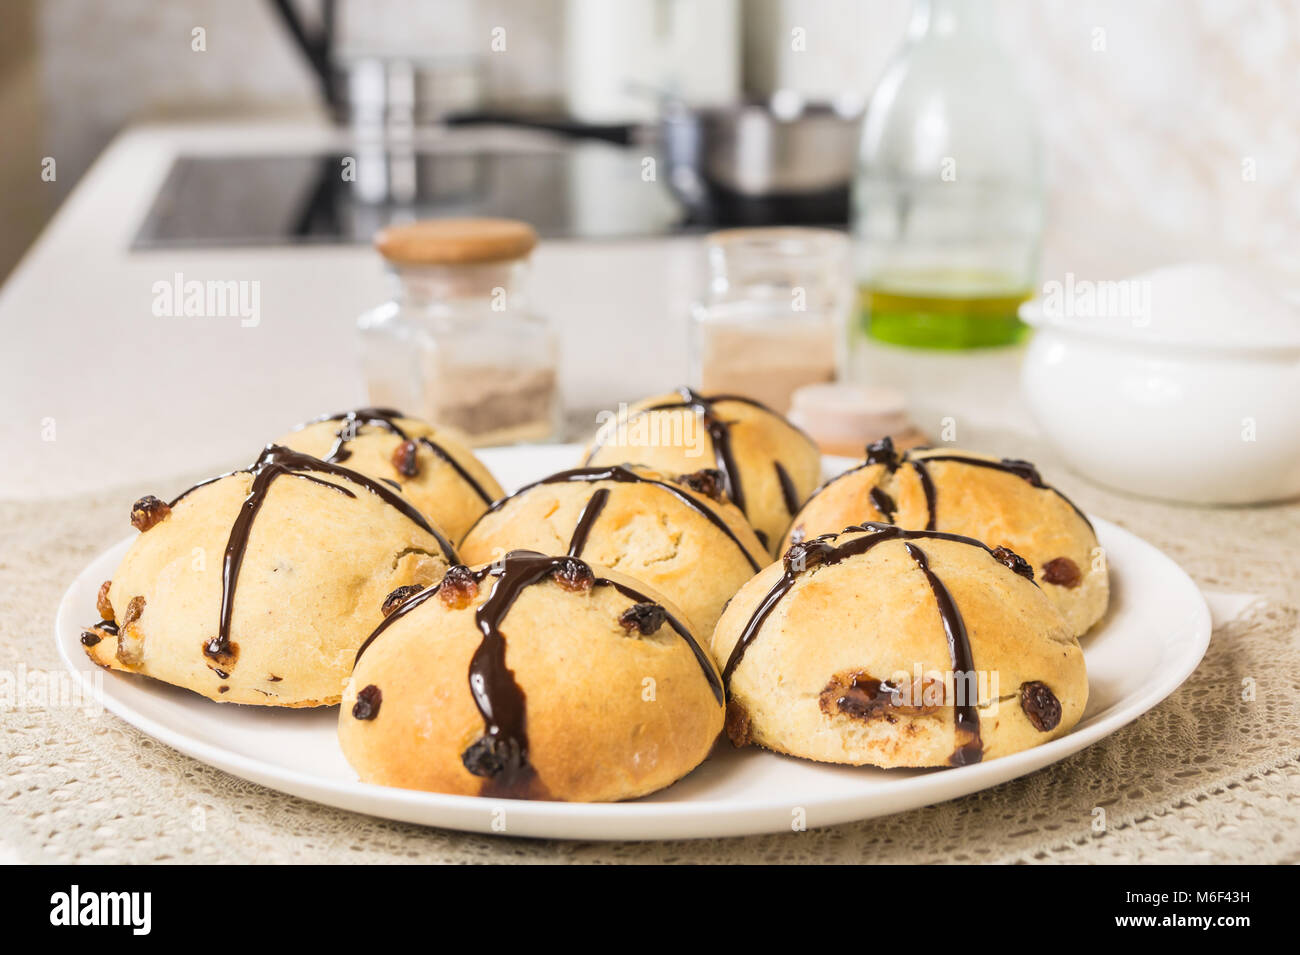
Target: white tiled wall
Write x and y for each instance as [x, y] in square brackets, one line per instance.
[1172, 126]
[1157, 113]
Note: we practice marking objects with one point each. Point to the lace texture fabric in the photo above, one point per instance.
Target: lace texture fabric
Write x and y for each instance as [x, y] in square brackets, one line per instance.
[1207, 776]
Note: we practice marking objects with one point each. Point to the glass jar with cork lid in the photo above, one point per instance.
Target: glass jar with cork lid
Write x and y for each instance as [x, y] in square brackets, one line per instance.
[459, 345]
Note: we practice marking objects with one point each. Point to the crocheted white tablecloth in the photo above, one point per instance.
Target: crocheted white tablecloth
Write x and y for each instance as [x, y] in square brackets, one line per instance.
[1207, 776]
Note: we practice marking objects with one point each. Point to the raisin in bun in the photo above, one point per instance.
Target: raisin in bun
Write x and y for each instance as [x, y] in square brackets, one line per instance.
[846, 651]
[260, 585]
[533, 678]
[694, 548]
[1002, 502]
[433, 466]
[768, 466]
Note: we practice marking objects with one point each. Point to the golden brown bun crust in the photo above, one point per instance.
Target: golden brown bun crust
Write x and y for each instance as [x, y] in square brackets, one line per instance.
[675, 441]
[437, 487]
[875, 615]
[315, 574]
[609, 715]
[643, 530]
[1000, 508]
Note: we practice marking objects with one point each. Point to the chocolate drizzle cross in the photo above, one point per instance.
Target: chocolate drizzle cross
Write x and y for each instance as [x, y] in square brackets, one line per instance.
[823, 552]
[277, 461]
[883, 452]
[719, 431]
[499, 698]
[386, 418]
[592, 510]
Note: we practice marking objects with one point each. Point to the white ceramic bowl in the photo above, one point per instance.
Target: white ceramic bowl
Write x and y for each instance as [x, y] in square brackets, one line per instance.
[1192, 396]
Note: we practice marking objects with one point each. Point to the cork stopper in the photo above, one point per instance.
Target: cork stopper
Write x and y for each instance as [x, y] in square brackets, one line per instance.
[455, 241]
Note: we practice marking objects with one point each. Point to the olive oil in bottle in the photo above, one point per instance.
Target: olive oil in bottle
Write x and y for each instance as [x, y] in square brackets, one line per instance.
[936, 309]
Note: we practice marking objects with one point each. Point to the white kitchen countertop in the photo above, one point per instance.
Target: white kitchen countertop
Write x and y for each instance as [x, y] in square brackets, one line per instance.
[98, 392]
[127, 396]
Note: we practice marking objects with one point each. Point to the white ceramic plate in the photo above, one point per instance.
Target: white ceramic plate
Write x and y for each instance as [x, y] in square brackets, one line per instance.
[1155, 634]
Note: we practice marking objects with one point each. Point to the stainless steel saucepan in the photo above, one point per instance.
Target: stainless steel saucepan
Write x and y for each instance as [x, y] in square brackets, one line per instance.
[793, 164]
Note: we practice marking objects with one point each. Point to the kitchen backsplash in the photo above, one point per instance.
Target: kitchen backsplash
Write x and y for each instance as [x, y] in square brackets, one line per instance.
[1152, 156]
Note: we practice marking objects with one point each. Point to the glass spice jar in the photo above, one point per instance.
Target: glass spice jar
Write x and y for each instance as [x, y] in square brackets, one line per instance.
[772, 318]
[458, 345]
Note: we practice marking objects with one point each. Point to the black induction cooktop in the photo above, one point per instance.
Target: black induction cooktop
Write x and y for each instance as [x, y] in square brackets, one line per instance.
[240, 200]
[587, 191]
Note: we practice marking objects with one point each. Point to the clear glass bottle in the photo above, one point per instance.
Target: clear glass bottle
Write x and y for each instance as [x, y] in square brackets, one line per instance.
[948, 199]
[458, 344]
[772, 318]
